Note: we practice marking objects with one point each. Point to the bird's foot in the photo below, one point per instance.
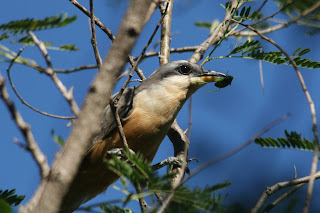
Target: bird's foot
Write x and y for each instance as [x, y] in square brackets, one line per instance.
[119, 153]
[173, 162]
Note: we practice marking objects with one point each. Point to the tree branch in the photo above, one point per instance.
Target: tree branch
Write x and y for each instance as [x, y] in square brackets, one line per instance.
[20, 97]
[93, 36]
[49, 71]
[278, 186]
[25, 129]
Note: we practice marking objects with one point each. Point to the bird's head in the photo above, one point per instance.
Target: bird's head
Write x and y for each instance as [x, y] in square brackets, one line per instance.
[184, 75]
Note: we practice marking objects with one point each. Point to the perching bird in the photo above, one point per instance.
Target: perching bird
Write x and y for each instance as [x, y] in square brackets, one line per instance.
[147, 112]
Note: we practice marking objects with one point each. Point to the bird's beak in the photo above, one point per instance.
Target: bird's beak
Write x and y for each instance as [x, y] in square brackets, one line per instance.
[211, 76]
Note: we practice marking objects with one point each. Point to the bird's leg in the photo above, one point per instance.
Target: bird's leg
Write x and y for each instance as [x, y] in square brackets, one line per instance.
[173, 162]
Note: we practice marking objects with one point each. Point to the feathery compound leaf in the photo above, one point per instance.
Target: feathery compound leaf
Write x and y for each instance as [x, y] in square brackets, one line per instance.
[197, 199]
[203, 24]
[108, 208]
[10, 197]
[248, 46]
[138, 170]
[252, 50]
[31, 24]
[293, 140]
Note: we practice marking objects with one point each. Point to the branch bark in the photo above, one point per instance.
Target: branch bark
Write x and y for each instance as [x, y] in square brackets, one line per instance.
[51, 191]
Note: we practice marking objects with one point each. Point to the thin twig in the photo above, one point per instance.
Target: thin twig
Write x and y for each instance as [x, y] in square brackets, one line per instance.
[96, 20]
[278, 186]
[25, 129]
[280, 26]
[93, 36]
[312, 111]
[82, 67]
[68, 95]
[261, 6]
[64, 71]
[142, 201]
[20, 97]
[172, 50]
[108, 32]
[282, 197]
[237, 149]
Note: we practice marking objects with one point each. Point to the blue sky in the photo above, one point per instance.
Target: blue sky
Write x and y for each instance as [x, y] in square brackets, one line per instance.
[221, 120]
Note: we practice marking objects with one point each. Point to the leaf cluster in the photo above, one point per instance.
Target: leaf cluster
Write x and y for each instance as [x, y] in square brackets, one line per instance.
[252, 50]
[10, 197]
[19, 29]
[293, 140]
[30, 24]
[109, 208]
[198, 199]
[296, 7]
[139, 171]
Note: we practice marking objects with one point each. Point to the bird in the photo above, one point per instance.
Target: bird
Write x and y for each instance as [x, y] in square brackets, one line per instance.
[147, 112]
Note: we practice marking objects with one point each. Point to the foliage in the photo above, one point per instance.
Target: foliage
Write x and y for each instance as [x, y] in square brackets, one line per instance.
[6, 55]
[21, 27]
[108, 208]
[9, 197]
[58, 139]
[30, 24]
[197, 199]
[138, 171]
[5, 207]
[252, 50]
[293, 140]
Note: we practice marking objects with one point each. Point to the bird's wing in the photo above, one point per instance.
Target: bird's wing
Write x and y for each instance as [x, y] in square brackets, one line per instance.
[125, 107]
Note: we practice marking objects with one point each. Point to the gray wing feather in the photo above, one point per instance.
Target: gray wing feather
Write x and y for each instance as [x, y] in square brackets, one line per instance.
[125, 109]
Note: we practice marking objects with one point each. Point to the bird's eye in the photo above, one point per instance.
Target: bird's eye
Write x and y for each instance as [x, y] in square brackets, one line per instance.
[185, 69]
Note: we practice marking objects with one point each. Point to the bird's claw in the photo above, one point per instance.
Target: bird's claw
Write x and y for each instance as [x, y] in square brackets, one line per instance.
[119, 153]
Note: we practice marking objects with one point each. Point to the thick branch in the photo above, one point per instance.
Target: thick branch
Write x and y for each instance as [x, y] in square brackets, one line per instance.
[49, 195]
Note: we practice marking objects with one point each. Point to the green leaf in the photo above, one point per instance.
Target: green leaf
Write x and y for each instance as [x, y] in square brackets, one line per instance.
[242, 11]
[203, 24]
[58, 139]
[69, 47]
[247, 12]
[108, 208]
[5, 207]
[304, 51]
[293, 140]
[31, 24]
[9, 197]
[296, 51]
